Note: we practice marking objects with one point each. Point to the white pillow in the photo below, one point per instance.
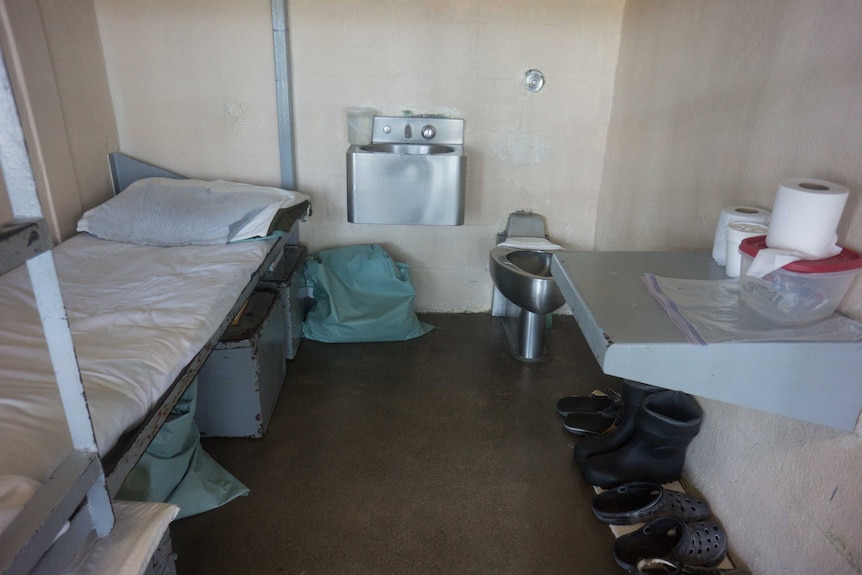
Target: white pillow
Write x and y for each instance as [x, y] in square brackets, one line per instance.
[173, 212]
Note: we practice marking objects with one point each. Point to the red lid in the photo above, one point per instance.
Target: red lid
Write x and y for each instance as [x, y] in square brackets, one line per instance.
[845, 261]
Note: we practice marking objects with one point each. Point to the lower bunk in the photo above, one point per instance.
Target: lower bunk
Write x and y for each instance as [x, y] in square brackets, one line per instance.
[144, 319]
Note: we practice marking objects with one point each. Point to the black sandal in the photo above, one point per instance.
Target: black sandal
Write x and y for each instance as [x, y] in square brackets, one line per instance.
[665, 567]
[696, 543]
[642, 501]
[589, 423]
[596, 402]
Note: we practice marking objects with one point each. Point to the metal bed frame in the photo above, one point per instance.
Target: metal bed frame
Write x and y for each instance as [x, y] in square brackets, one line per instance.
[80, 490]
[120, 461]
[76, 490]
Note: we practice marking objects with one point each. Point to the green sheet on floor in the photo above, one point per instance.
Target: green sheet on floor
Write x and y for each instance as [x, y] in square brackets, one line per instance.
[175, 468]
[361, 294]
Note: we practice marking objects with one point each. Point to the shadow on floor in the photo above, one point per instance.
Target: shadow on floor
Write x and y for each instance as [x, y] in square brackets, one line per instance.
[438, 455]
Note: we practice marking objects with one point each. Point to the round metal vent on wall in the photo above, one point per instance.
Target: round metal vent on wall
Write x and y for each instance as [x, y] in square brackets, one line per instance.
[534, 80]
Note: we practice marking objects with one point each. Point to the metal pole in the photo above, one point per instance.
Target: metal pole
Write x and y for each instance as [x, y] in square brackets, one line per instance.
[281, 46]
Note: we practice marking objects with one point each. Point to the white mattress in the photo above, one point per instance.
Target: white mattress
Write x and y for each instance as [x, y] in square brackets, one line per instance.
[138, 315]
[136, 535]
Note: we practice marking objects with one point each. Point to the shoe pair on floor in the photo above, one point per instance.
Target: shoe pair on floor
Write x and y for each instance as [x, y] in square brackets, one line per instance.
[591, 415]
[641, 449]
[646, 441]
[678, 537]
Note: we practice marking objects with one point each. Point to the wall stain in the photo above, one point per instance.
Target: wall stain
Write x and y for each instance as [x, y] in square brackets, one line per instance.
[433, 115]
[233, 115]
[839, 542]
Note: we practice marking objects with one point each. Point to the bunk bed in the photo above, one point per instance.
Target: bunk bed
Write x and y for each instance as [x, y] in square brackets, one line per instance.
[140, 317]
[90, 372]
[143, 321]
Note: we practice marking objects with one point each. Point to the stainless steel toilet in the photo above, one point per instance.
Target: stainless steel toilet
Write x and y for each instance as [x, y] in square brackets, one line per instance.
[520, 268]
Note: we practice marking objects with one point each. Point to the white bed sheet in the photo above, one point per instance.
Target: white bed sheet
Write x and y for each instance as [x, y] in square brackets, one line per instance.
[138, 315]
[127, 550]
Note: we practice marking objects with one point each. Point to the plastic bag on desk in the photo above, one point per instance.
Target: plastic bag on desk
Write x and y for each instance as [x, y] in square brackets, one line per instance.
[711, 311]
[360, 295]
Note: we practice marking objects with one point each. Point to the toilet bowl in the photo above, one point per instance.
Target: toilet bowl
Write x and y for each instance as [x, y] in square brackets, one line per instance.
[520, 268]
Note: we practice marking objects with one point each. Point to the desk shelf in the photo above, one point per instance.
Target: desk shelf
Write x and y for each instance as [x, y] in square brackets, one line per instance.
[632, 337]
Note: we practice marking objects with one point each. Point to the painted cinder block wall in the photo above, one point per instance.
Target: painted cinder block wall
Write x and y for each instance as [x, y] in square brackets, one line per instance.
[715, 102]
[193, 90]
[55, 61]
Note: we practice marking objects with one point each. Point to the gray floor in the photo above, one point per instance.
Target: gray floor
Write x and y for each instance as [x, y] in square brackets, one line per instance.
[439, 455]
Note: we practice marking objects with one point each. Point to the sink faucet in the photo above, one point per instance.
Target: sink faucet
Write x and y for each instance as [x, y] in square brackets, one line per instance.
[408, 131]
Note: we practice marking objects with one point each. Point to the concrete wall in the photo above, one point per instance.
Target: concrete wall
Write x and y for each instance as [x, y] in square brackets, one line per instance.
[193, 85]
[193, 90]
[715, 102]
[55, 62]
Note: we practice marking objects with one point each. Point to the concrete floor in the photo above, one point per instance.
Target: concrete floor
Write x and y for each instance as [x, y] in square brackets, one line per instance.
[438, 455]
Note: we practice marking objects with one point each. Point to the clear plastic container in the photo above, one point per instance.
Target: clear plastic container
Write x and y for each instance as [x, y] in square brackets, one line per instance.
[800, 292]
[360, 123]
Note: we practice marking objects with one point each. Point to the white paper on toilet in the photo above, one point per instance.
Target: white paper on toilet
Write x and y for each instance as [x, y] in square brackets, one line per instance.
[526, 243]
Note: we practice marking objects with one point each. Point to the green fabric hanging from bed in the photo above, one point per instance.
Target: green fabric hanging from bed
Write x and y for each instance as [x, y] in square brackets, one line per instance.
[175, 468]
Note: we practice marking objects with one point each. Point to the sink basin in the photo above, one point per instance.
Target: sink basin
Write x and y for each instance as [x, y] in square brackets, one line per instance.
[414, 172]
[408, 148]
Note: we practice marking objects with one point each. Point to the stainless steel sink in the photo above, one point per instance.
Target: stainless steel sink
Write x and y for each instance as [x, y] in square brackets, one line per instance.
[413, 172]
[407, 148]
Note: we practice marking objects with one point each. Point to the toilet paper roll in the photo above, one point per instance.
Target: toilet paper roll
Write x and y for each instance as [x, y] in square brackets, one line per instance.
[736, 232]
[805, 217]
[733, 214]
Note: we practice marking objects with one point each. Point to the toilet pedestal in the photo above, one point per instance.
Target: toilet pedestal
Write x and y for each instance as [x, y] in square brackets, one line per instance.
[524, 330]
[531, 327]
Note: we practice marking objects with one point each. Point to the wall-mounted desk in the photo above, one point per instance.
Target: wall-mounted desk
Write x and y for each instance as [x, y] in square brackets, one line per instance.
[632, 337]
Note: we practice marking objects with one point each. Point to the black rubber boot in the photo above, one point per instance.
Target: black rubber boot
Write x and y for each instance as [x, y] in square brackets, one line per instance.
[633, 395]
[666, 424]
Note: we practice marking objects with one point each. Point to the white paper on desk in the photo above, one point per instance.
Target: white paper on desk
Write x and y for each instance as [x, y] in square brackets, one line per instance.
[710, 311]
[770, 259]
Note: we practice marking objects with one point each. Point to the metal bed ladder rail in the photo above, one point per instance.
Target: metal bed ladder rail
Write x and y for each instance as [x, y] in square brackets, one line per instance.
[28, 545]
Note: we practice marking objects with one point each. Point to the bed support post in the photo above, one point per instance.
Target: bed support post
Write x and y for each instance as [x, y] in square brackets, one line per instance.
[27, 538]
[281, 46]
